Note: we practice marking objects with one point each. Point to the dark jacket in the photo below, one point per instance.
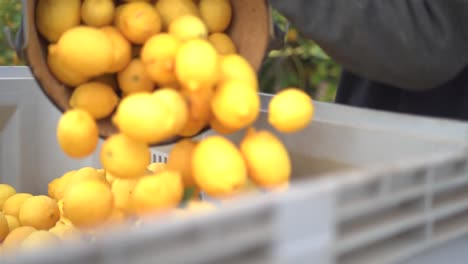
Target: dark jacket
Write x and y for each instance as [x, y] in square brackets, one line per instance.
[407, 56]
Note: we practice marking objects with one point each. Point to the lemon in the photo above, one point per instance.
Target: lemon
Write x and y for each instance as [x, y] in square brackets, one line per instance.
[267, 159]
[176, 106]
[158, 55]
[88, 204]
[85, 51]
[223, 43]
[134, 78]
[235, 104]
[13, 222]
[13, 204]
[180, 159]
[77, 133]
[54, 17]
[138, 21]
[122, 189]
[62, 72]
[4, 228]
[217, 14]
[125, 157]
[188, 27]
[96, 98]
[57, 187]
[290, 110]
[84, 174]
[222, 129]
[218, 167]
[97, 13]
[172, 9]
[141, 117]
[199, 110]
[157, 193]
[40, 212]
[197, 65]
[121, 49]
[6, 191]
[38, 239]
[16, 237]
[156, 167]
[236, 67]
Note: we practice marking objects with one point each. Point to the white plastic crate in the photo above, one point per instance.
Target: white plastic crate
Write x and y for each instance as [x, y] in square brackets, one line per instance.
[369, 187]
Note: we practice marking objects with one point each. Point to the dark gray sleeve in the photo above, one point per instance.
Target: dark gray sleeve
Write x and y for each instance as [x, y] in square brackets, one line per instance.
[412, 44]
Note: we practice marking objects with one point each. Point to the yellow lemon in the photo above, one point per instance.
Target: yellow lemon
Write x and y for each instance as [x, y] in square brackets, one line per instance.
[121, 49]
[197, 65]
[13, 222]
[222, 43]
[158, 55]
[156, 167]
[13, 204]
[16, 237]
[122, 189]
[57, 187]
[6, 191]
[88, 204]
[40, 212]
[84, 174]
[54, 17]
[143, 118]
[267, 159]
[172, 9]
[176, 106]
[199, 110]
[236, 67]
[4, 228]
[220, 128]
[138, 21]
[77, 133]
[217, 174]
[85, 50]
[217, 14]
[290, 110]
[125, 157]
[38, 239]
[235, 104]
[188, 27]
[96, 98]
[61, 71]
[157, 193]
[180, 159]
[134, 78]
[97, 13]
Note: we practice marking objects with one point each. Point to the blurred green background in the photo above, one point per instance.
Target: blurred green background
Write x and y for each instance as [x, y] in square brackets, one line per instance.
[294, 60]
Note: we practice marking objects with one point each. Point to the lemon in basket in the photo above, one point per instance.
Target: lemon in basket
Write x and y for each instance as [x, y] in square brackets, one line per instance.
[121, 49]
[188, 27]
[267, 158]
[97, 13]
[177, 108]
[157, 193]
[290, 110]
[217, 14]
[199, 110]
[96, 98]
[197, 65]
[180, 159]
[222, 43]
[54, 17]
[134, 78]
[57, 187]
[138, 21]
[13, 204]
[122, 189]
[236, 67]
[40, 212]
[125, 157]
[77, 133]
[88, 204]
[156, 167]
[172, 9]
[218, 167]
[6, 191]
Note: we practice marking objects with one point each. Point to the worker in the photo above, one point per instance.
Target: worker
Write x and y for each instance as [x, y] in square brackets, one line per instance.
[408, 56]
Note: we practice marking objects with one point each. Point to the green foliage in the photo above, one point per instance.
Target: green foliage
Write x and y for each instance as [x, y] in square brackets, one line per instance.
[10, 16]
[298, 62]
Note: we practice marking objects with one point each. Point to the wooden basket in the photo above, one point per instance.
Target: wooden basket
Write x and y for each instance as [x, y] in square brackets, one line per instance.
[249, 30]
